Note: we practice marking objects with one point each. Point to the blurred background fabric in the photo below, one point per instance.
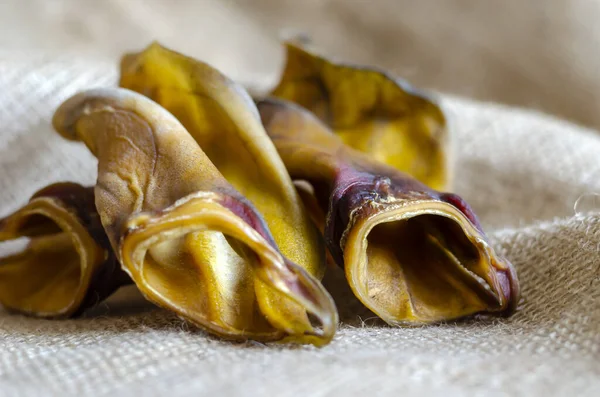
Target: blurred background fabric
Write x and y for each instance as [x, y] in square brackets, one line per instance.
[533, 178]
[540, 55]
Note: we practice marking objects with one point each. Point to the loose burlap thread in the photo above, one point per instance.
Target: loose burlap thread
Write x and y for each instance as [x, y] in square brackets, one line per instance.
[521, 171]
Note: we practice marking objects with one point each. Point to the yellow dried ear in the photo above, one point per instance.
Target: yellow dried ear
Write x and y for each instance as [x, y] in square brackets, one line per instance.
[190, 241]
[223, 119]
[67, 264]
[371, 112]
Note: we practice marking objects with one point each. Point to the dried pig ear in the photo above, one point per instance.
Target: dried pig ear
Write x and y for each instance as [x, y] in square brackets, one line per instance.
[222, 118]
[411, 254]
[67, 264]
[190, 241]
[371, 112]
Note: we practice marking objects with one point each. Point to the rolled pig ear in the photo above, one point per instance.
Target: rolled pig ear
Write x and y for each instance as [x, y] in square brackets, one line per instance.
[411, 254]
[222, 118]
[67, 264]
[190, 241]
[372, 112]
[234, 260]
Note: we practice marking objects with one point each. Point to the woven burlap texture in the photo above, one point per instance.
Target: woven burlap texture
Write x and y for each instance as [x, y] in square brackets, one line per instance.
[522, 172]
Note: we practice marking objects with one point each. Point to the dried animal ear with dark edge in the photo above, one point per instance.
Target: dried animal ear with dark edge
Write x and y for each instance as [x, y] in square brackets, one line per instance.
[411, 254]
[190, 241]
[372, 112]
[66, 265]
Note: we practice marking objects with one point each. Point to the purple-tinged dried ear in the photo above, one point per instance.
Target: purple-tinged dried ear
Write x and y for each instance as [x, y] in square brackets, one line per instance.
[67, 264]
[411, 254]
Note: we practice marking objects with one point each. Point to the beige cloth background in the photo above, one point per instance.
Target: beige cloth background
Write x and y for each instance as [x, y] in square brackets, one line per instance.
[537, 54]
[522, 172]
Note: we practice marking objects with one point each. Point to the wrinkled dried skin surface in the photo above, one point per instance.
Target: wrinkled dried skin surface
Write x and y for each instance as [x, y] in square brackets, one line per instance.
[371, 112]
[222, 118]
[63, 263]
[411, 254]
[190, 241]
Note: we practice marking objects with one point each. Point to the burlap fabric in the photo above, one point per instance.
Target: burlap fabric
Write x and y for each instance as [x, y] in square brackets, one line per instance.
[521, 171]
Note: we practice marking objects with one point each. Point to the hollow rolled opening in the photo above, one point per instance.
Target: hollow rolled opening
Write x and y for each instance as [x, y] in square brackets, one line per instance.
[40, 268]
[208, 277]
[425, 268]
[206, 264]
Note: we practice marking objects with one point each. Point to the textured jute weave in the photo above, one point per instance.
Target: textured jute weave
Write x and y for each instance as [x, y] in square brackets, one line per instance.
[522, 172]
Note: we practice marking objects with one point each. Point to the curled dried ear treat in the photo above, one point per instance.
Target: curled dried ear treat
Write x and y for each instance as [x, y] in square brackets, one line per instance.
[411, 254]
[67, 264]
[190, 241]
[223, 119]
[371, 112]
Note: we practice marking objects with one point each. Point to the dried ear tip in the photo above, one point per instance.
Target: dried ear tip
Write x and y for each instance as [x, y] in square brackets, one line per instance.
[298, 38]
[320, 307]
[129, 62]
[510, 286]
[68, 114]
